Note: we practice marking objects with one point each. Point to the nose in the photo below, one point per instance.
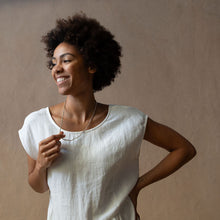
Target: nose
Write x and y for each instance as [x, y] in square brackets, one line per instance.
[58, 68]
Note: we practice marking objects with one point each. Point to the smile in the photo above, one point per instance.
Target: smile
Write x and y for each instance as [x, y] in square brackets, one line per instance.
[61, 80]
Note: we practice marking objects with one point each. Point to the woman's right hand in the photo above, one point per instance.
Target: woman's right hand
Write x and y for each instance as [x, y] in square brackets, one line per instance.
[49, 150]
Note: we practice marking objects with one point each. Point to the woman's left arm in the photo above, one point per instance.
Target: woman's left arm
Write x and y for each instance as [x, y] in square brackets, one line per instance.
[180, 152]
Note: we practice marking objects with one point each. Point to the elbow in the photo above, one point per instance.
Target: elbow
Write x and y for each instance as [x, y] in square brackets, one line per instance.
[38, 189]
[191, 152]
[187, 152]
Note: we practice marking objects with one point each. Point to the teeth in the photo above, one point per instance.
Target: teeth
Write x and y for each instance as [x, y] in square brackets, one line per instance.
[60, 79]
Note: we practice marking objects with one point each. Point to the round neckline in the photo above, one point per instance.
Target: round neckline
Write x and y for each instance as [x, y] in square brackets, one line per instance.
[77, 132]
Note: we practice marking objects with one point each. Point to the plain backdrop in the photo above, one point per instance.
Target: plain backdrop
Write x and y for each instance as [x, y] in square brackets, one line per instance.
[170, 71]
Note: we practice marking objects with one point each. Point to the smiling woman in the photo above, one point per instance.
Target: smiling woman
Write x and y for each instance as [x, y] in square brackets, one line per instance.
[69, 70]
[86, 153]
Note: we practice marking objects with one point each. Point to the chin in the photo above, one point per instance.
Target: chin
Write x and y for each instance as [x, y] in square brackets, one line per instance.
[63, 92]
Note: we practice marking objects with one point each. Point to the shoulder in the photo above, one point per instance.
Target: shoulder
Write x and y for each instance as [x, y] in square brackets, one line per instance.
[35, 116]
[129, 119]
[129, 114]
[127, 110]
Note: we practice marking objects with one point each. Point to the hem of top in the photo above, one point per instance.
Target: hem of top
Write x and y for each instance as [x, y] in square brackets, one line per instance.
[27, 151]
[146, 117]
[77, 132]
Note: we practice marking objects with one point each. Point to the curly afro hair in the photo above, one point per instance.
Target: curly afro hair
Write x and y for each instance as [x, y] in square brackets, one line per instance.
[94, 42]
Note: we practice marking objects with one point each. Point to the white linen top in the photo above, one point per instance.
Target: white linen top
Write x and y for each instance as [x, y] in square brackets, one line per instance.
[95, 173]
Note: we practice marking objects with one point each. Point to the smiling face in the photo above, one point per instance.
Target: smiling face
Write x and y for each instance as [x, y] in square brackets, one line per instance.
[69, 71]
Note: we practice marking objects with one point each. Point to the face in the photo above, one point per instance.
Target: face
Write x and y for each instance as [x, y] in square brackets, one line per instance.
[69, 70]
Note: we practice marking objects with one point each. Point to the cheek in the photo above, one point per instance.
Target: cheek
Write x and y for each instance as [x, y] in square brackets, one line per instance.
[52, 73]
[79, 72]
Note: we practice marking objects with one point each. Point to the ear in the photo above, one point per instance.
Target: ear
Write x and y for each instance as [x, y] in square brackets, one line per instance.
[91, 69]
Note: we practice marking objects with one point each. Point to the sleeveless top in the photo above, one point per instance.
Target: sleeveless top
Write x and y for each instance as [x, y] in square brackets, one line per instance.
[95, 173]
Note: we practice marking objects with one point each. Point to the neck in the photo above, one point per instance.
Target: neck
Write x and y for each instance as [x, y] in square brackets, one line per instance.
[80, 108]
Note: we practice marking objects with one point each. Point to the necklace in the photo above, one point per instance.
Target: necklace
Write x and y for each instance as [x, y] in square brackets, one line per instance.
[83, 131]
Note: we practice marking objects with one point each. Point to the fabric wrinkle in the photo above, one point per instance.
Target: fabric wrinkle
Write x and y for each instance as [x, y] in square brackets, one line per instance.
[95, 173]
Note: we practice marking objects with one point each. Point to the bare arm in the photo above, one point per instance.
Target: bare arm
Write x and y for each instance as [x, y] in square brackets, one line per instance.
[181, 151]
[37, 169]
[37, 177]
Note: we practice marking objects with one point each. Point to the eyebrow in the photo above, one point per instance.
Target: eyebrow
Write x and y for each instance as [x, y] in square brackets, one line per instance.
[63, 55]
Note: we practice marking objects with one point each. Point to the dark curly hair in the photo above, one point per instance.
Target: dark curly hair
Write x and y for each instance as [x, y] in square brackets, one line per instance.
[95, 43]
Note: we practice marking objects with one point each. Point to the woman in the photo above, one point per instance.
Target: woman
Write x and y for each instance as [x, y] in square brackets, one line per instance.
[84, 152]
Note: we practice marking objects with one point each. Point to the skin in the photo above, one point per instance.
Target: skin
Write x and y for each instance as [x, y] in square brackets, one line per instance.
[80, 102]
[180, 152]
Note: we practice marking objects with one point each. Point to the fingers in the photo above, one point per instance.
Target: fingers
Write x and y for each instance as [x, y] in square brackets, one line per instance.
[52, 157]
[55, 137]
[50, 142]
[45, 159]
[49, 150]
[50, 145]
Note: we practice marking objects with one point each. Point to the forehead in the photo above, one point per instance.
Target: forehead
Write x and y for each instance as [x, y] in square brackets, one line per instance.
[65, 48]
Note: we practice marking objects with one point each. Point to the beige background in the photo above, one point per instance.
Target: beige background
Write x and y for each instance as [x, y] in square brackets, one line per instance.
[170, 70]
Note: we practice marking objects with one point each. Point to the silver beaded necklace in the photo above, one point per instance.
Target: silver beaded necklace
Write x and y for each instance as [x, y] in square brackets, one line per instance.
[93, 114]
